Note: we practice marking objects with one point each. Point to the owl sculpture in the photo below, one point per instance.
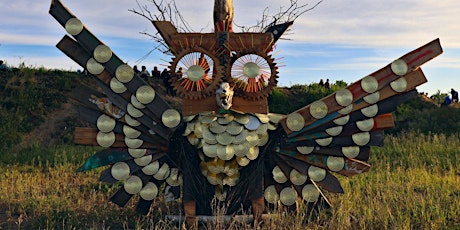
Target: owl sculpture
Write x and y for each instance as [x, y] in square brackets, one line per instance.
[223, 145]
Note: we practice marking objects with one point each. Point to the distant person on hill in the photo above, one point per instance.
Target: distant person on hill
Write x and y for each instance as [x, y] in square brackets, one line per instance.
[136, 71]
[327, 85]
[454, 95]
[166, 77]
[321, 83]
[3, 67]
[145, 75]
[156, 74]
[447, 101]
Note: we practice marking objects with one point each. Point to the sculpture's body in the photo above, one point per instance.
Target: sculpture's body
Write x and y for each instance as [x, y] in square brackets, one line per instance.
[223, 14]
[225, 144]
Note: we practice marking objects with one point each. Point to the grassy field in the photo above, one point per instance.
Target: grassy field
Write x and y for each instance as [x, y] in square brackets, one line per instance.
[414, 184]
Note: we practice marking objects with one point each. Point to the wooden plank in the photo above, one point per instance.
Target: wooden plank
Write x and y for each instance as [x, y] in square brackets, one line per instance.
[362, 155]
[381, 122]
[384, 76]
[87, 136]
[352, 166]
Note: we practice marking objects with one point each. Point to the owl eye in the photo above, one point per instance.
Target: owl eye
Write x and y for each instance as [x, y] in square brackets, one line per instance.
[254, 75]
[195, 74]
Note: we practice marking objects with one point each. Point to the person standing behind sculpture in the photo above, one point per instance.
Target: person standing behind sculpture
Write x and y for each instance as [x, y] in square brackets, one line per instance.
[156, 74]
[166, 77]
[454, 95]
[145, 75]
[327, 85]
[321, 83]
[136, 71]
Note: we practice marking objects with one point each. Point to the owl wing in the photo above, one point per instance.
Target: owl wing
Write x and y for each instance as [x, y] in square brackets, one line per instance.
[333, 136]
[128, 118]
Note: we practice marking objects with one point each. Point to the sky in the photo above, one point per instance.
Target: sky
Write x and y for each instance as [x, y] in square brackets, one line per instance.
[338, 40]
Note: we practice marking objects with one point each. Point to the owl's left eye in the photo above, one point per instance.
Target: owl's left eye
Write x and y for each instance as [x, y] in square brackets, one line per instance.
[254, 75]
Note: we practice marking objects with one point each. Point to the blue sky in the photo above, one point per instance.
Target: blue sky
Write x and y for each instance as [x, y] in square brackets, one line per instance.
[340, 39]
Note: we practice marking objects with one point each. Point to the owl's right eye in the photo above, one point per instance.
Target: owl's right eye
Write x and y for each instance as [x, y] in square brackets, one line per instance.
[196, 73]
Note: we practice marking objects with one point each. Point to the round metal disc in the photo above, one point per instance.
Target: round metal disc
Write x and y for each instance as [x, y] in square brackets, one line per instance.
[133, 185]
[133, 143]
[105, 139]
[195, 73]
[136, 103]
[189, 118]
[210, 150]
[130, 121]
[264, 118]
[234, 128]
[94, 67]
[275, 118]
[224, 138]
[136, 153]
[253, 123]
[263, 139]
[73, 26]
[316, 174]
[369, 84]
[207, 119]
[149, 191]
[305, 149]
[117, 86]
[346, 110]
[105, 123]
[399, 85]
[252, 138]
[334, 131]
[342, 120]
[124, 73]
[344, 97]
[227, 118]
[143, 161]
[240, 138]
[174, 178]
[120, 171]
[242, 118]
[361, 139]
[243, 161]
[372, 98]
[145, 94]
[262, 129]
[133, 111]
[295, 122]
[253, 153]
[324, 141]
[198, 130]
[102, 53]
[241, 149]
[162, 173]
[318, 109]
[251, 69]
[335, 164]
[151, 168]
[278, 175]
[365, 125]
[217, 128]
[288, 196]
[310, 193]
[399, 67]
[225, 152]
[171, 118]
[130, 132]
[351, 151]
[297, 178]
[271, 195]
[370, 111]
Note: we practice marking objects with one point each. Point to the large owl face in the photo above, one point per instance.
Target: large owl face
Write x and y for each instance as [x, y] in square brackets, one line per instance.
[202, 62]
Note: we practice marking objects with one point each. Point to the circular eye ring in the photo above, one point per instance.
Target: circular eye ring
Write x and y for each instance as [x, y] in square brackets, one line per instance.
[201, 73]
[253, 73]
